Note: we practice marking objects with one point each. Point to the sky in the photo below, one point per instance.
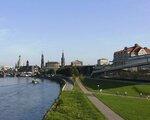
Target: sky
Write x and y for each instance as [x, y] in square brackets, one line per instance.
[86, 30]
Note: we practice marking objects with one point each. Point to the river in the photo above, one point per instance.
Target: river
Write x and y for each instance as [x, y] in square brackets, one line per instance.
[22, 100]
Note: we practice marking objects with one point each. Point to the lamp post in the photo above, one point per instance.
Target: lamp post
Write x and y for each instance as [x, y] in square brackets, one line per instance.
[98, 86]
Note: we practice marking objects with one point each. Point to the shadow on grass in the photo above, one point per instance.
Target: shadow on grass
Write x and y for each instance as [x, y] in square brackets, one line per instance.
[106, 83]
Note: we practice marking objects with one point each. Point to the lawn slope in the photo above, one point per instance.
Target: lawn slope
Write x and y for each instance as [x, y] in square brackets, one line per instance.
[74, 105]
[128, 108]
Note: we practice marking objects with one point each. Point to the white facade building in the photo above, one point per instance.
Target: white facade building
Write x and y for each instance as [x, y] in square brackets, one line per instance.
[102, 61]
[76, 63]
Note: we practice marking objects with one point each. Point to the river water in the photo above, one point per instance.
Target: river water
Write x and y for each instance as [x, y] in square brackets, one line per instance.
[22, 100]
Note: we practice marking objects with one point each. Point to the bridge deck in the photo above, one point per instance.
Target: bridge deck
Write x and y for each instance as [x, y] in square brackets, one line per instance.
[132, 62]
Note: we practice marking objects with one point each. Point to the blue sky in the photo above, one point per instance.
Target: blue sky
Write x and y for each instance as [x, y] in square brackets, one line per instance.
[85, 29]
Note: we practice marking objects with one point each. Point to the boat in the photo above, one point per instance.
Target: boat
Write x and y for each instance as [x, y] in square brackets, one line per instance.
[35, 81]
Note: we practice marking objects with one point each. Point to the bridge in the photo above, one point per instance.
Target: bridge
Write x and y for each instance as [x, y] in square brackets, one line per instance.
[135, 61]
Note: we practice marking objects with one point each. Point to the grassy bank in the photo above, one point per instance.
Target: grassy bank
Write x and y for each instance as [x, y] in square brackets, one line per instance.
[74, 105]
[117, 87]
[128, 108]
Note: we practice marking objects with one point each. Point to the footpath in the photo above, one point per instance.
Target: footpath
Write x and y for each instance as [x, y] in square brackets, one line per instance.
[105, 110]
[68, 86]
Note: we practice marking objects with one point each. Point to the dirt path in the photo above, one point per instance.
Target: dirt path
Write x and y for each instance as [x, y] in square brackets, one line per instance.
[108, 113]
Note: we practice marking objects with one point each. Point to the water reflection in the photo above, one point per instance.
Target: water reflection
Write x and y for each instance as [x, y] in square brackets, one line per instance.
[22, 100]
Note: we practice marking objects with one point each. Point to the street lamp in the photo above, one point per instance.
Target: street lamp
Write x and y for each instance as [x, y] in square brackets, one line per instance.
[98, 86]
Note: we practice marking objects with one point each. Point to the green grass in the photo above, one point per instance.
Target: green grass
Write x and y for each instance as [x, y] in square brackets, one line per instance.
[115, 87]
[128, 108]
[74, 105]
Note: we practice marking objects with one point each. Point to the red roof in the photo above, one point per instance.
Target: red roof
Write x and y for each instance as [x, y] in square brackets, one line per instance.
[126, 49]
[136, 48]
[147, 50]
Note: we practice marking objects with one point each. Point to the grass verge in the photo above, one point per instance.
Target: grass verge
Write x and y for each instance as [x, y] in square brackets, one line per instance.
[74, 105]
[117, 87]
[128, 108]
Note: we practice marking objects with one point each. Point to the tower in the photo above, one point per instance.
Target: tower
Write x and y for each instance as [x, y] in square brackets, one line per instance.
[42, 61]
[62, 60]
[19, 62]
[27, 64]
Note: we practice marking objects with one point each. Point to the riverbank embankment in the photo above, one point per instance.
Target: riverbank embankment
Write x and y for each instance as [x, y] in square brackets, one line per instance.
[66, 84]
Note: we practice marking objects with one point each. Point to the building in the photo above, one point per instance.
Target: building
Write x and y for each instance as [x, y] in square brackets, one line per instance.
[124, 56]
[27, 64]
[19, 61]
[52, 65]
[63, 60]
[120, 57]
[42, 61]
[102, 61]
[76, 63]
[18, 64]
[5, 68]
[28, 70]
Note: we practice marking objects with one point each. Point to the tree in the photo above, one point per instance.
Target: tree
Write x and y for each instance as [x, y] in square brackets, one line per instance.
[75, 72]
[50, 71]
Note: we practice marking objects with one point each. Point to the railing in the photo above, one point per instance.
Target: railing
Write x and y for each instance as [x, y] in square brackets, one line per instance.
[131, 62]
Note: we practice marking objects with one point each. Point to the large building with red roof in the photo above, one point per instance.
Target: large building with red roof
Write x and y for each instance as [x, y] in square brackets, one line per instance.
[120, 57]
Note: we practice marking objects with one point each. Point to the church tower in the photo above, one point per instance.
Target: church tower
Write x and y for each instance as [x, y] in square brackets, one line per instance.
[62, 60]
[27, 63]
[42, 61]
[19, 62]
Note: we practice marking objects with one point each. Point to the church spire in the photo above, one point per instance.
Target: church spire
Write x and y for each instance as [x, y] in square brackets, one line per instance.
[42, 61]
[63, 60]
[27, 63]
[19, 62]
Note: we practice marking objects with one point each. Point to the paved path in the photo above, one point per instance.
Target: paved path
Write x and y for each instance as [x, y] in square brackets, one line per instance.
[68, 86]
[108, 113]
[68, 82]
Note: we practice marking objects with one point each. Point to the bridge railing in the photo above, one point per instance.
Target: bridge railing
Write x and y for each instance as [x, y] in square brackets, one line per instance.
[131, 62]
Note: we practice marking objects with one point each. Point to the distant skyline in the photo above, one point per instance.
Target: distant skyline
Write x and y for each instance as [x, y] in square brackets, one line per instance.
[85, 29]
